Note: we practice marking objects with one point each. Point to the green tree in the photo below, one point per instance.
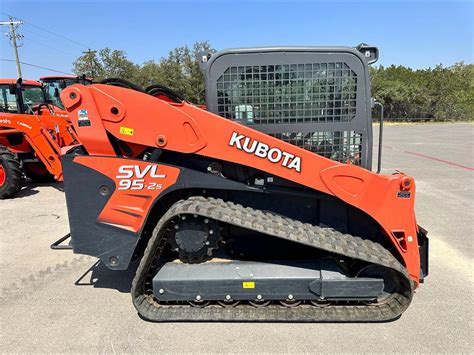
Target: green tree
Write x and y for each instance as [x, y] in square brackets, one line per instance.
[89, 64]
[439, 93]
[106, 63]
[179, 70]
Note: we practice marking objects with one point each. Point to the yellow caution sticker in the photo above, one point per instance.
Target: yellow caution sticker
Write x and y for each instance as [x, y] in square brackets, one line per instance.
[126, 131]
[248, 284]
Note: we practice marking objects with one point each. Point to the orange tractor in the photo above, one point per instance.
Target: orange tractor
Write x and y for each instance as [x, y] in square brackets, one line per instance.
[32, 133]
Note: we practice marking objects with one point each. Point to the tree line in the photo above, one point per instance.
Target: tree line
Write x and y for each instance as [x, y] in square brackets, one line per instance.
[439, 93]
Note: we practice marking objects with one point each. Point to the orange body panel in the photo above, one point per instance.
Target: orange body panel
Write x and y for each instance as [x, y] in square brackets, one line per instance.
[140, 119]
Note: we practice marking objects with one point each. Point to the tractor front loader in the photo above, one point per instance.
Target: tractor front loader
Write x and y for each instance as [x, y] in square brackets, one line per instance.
[232, 224]
[32, 133]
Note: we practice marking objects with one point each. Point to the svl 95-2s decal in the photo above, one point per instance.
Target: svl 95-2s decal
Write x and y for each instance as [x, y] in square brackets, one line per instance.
[132, 177]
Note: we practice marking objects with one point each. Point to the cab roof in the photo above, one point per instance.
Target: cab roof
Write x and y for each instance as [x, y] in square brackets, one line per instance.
[24, 82]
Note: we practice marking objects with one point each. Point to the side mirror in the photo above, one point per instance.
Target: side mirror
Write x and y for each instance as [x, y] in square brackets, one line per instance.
[12, 89]
[62, 84]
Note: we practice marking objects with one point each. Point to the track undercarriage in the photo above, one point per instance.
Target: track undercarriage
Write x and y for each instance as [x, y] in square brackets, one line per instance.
[348, 279]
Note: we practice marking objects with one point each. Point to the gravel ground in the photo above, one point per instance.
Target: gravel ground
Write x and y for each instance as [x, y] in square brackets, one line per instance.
[49, 304]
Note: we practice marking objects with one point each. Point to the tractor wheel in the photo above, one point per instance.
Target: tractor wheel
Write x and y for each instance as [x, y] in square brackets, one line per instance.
[11, 176]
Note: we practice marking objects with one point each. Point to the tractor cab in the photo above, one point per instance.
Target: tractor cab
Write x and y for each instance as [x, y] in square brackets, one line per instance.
[21, 96]
[54, 85]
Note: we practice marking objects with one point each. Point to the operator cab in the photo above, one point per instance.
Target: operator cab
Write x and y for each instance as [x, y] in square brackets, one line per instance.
[21, 96]
[54, 85]
[317, 98]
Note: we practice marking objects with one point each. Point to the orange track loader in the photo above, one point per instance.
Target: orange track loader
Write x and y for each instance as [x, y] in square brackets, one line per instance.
[32, 132]
[229, 223]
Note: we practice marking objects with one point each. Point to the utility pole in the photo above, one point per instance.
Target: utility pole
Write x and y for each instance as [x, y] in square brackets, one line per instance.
[13, 36]
[90, 52]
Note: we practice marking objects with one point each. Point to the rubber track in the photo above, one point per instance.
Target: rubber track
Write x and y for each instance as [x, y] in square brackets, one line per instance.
[326, 239]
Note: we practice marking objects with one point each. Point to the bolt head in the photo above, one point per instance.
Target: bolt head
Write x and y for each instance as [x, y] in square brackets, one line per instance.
[259, 297]
[228, 297]
[290, 297]
[161, 291]
[198, 298]
[104, 190]
[211, 232]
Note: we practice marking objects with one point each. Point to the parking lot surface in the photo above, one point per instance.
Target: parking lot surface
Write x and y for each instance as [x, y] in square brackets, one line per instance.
[50, 302]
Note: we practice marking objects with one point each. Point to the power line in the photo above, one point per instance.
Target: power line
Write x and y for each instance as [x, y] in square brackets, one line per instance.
[37, 66]
[50, 32]
[48, 46]
[52, 43]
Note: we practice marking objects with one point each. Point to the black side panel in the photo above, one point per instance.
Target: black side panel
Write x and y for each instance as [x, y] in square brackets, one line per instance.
[114, 246]
[82, 185]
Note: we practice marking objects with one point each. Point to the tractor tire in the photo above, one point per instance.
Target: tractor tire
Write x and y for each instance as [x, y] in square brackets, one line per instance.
[11, 176]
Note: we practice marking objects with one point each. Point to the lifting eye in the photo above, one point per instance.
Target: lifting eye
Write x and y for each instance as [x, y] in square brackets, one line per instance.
[114, 110]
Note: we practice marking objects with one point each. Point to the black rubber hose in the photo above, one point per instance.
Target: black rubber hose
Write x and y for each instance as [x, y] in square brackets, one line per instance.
[157, 89]
[122, 83]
